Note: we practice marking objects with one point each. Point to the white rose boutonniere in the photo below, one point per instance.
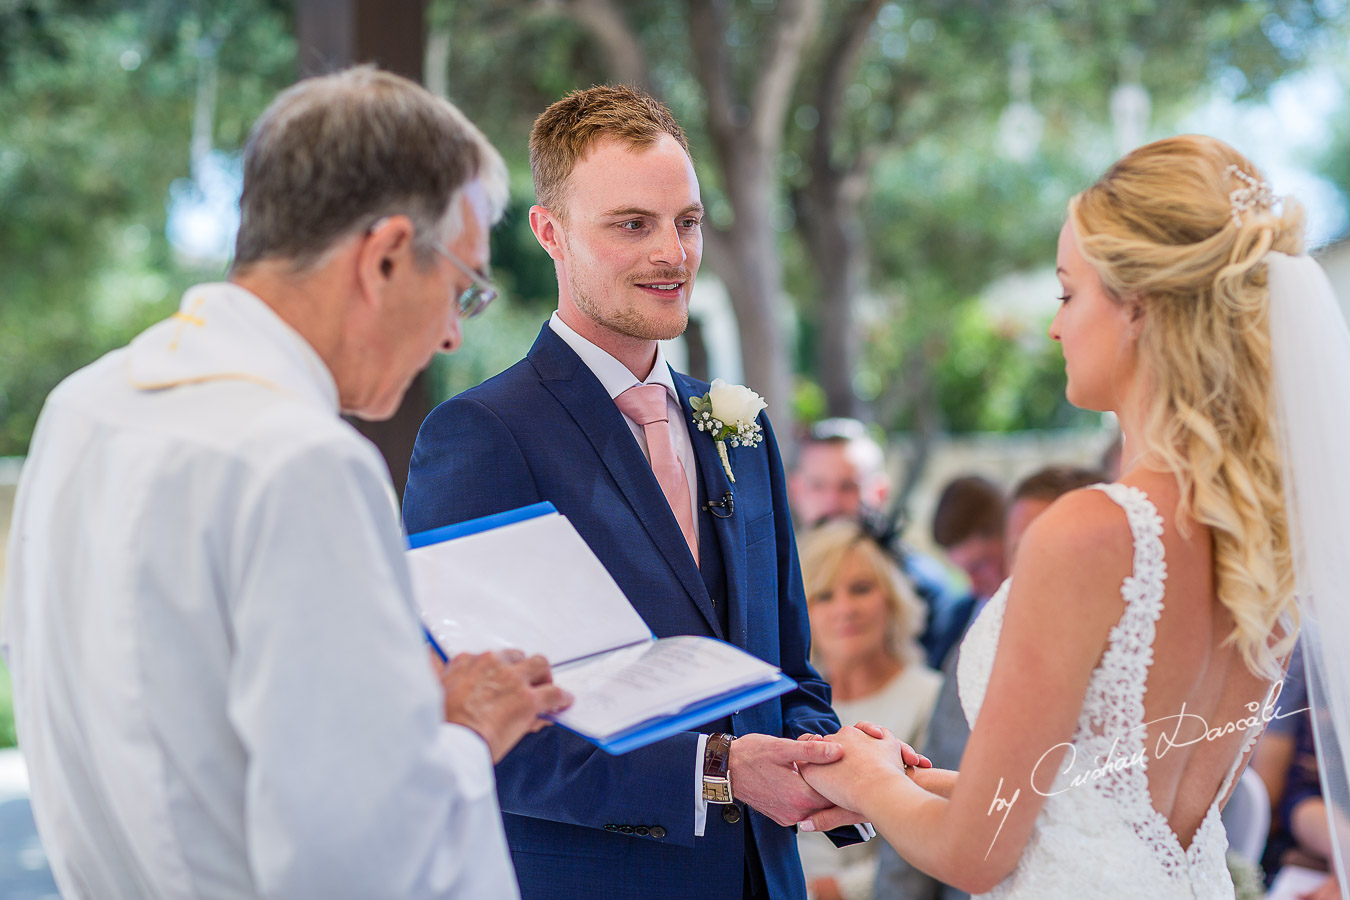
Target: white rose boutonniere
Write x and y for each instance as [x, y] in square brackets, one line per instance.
[728, 413]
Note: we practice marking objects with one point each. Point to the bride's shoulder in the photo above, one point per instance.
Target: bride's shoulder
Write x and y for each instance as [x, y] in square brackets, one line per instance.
[1081, 542]
[1081, 521]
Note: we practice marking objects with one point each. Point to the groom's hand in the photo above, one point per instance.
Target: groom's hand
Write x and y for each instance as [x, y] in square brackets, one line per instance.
[831, 818]
[764, 775]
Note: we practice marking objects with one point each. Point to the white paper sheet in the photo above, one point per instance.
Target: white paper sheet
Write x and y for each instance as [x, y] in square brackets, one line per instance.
[534, 585]
[621, 688]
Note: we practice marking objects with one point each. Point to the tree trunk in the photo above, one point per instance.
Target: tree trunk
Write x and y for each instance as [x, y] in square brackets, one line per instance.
[832, 227]
[831, 218]
[697, 347]
[334, 34]
[746, 136]
[746, 259]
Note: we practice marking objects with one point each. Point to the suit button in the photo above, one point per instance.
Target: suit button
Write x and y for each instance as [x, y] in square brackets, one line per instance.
[658, 831]
[626, 829]
[611, 827]
[642, 830]
[731, 814]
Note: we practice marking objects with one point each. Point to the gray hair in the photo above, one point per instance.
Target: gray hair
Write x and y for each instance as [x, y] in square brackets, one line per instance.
[332, 155]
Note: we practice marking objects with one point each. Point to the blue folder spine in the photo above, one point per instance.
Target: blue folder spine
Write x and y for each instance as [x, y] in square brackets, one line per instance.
[483, 523]
[713, 708]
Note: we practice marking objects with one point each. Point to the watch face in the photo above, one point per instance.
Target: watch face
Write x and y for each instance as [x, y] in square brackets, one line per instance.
[717, 791]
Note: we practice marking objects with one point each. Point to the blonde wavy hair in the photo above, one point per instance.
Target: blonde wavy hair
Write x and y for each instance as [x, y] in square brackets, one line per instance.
[1162, 230]
[823, 551]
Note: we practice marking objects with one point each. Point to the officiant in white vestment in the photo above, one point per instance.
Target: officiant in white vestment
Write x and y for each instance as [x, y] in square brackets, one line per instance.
[221, 687]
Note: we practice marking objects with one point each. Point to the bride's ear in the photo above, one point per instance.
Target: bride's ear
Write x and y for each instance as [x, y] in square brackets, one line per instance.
[1136, 311]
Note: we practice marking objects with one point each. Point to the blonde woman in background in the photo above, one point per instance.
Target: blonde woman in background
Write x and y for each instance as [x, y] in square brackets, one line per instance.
[1118, 680]
[865, 621]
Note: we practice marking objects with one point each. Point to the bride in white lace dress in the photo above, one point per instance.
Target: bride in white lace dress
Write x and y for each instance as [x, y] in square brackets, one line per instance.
[1118, 680]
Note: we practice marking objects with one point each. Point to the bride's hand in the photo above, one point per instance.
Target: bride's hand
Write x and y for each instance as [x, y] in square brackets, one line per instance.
[911, 756]
[866, 758]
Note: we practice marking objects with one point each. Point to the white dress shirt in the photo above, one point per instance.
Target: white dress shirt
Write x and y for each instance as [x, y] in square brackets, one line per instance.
[219, 679]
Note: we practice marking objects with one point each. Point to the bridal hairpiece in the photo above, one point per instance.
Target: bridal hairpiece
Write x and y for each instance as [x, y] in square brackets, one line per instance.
[1254, 195]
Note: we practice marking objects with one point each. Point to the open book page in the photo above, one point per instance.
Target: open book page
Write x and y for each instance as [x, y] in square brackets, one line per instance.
[533, 585]
[617, 690]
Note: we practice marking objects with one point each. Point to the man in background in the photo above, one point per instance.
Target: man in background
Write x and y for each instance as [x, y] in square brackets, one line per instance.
[968, 525]
[840, 473]
[219, 678]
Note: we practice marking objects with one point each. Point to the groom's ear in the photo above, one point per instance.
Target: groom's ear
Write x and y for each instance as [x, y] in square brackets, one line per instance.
[547, 232]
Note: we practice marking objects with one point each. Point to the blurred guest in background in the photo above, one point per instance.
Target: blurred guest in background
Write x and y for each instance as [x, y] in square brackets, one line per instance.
[840, 473]
[1286, 759]
[864, 621]
[968, 524]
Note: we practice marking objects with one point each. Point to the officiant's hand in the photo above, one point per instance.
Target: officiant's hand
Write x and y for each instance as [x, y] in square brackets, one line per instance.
[764, 775]
[865, 759]
[501, 696]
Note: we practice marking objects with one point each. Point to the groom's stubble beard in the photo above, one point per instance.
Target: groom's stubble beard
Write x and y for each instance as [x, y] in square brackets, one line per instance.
[628, 319]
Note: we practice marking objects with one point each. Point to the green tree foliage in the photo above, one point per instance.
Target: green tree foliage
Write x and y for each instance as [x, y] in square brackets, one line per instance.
[95, 123]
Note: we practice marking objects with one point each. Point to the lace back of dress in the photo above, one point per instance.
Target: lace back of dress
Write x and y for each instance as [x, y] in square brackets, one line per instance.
[1111, 724]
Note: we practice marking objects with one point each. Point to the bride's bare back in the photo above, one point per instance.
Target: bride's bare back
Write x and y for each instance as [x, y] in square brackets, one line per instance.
[1199, 692]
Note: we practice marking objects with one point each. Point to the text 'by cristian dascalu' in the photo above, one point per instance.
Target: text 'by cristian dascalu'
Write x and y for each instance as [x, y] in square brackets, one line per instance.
[1261, 714]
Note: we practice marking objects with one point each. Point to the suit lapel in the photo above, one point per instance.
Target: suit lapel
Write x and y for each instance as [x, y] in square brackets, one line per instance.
[730, 530]
[578, 390]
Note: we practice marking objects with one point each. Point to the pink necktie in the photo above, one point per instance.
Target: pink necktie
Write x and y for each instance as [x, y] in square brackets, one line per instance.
[646, 405]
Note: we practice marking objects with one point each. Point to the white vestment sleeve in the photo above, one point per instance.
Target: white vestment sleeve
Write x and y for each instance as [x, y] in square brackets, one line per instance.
[355, 786]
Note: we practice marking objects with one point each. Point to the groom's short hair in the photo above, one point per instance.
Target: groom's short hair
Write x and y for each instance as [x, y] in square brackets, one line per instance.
[567, 130]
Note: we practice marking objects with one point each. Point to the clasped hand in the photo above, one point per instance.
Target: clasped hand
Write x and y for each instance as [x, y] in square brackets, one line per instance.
[768, 774]
[865, 752]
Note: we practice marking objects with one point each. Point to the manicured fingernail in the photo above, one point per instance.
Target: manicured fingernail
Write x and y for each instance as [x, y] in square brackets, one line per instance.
[807, 825]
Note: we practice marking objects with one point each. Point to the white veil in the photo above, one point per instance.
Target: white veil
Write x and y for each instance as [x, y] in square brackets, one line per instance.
[1310, 353]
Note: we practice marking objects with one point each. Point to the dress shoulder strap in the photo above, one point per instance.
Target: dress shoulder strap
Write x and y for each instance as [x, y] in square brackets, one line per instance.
[1144, 585]
[1123, 672]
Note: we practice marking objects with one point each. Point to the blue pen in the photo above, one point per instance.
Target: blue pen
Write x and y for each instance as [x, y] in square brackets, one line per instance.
[434, 645]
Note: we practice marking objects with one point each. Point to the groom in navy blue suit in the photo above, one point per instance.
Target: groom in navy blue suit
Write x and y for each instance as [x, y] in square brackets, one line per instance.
[619, 213]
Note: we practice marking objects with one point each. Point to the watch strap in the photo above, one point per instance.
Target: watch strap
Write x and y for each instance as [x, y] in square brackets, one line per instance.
[717, 768]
